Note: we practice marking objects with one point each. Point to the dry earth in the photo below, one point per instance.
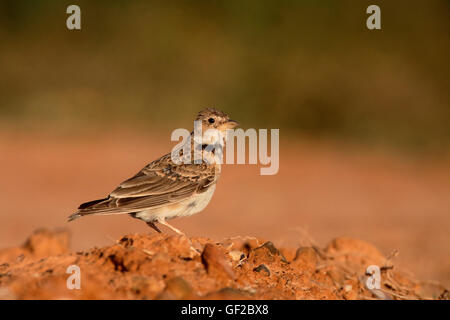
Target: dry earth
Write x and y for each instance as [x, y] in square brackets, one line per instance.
[166, 267]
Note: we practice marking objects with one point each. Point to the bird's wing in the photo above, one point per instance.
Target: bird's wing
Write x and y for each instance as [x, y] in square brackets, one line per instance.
[158, 184]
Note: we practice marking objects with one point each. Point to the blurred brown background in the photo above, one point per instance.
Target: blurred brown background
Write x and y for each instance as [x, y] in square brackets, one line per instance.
[364, 117]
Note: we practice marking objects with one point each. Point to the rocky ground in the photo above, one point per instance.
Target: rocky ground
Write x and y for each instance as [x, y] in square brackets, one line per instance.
[165, 267]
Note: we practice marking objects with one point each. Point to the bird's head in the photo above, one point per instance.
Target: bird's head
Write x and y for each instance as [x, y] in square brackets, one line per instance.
[213, 124]
[214, 119]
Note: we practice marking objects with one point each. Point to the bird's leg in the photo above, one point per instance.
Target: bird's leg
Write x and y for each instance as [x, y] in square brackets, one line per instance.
[164, 222]
[152, 225]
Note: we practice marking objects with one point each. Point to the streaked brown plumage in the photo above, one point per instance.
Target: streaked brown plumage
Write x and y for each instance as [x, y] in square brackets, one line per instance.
[164, 190]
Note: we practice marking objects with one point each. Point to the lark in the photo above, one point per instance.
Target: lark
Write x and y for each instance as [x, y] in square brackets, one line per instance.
[166, 188]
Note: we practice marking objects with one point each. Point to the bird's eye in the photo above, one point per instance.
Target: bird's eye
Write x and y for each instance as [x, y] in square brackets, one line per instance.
[211, 120]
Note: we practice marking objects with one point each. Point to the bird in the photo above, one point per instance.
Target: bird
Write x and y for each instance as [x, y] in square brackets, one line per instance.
[166, 188]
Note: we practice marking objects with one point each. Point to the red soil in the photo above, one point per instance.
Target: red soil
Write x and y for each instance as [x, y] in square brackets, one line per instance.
[165, 267]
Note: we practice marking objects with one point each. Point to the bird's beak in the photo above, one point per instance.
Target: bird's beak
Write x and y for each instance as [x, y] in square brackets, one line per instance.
[231, 124]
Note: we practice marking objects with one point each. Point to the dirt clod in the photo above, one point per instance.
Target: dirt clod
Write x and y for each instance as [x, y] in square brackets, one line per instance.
[262, 269]
[176, 289]
[215, 261]
[162, 267]
[306, 258]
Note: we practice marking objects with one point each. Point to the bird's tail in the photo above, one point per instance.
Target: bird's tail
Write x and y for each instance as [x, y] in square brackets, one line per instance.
[74, 216]
[84, 209]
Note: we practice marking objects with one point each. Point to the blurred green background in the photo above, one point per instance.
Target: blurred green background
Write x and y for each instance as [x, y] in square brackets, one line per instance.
[311, 68]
